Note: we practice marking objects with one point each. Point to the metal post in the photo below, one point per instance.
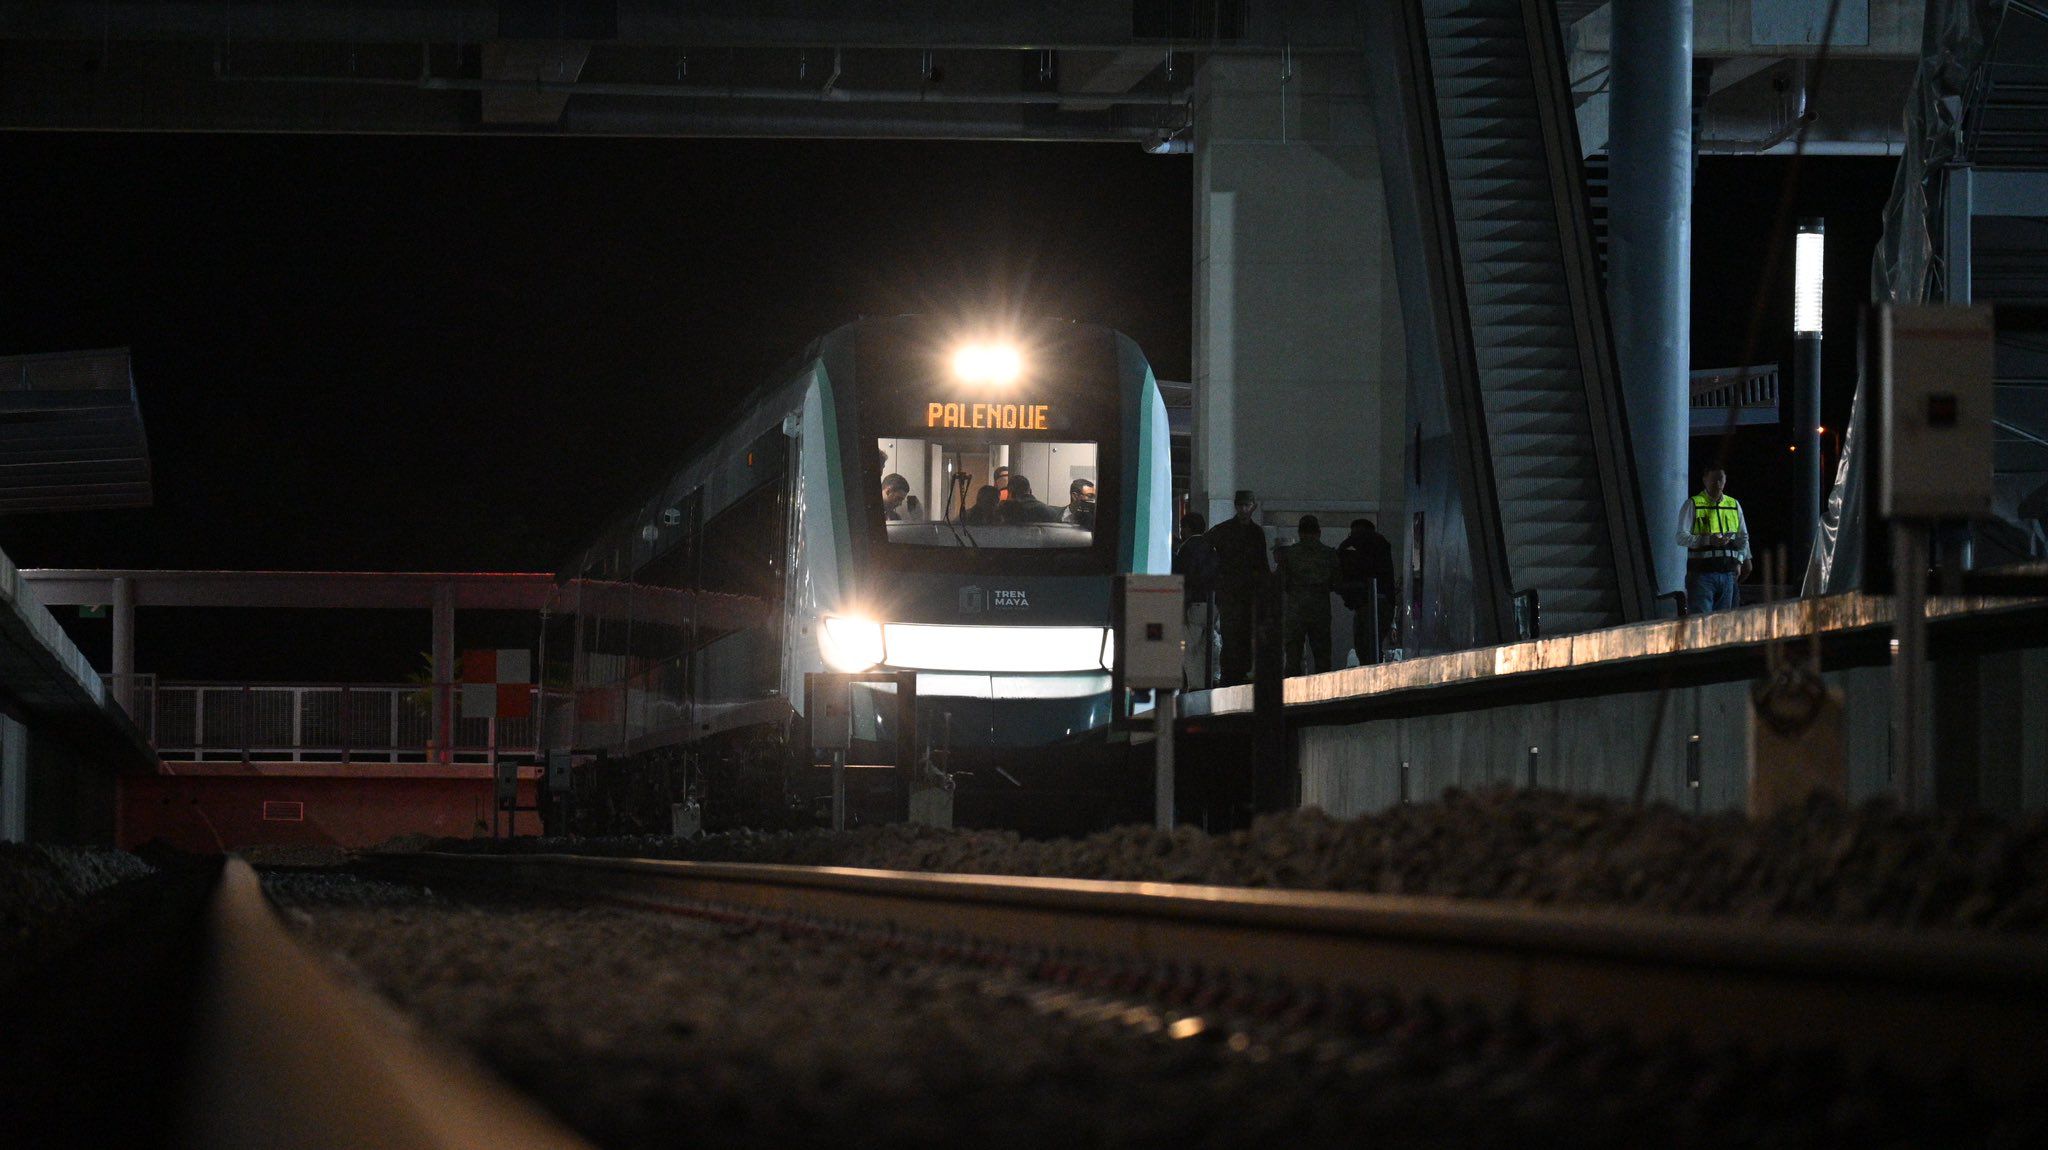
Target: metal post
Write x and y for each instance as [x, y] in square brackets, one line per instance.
[839, 788]
[1165, 704]
[1535, 756]
[444, 672]
[1692, 769]
[124, 643]
[1650, 258]
[1909, 662]
[1806, 388]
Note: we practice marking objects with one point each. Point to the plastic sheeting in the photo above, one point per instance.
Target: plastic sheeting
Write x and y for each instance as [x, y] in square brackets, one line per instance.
[1955, 48]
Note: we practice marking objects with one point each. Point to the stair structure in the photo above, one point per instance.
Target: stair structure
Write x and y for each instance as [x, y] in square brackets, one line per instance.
[1495, 176]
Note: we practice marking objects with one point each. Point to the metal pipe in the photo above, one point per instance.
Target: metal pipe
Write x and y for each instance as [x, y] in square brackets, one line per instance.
[1649, 265]
[1165, 703]
[1909, 663]
[124, 643]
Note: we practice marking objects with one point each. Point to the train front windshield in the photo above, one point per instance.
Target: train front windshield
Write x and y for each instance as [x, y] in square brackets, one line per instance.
[1025, 466]
[971, 491]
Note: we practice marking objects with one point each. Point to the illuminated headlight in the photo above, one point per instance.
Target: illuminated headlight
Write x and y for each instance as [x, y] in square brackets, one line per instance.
[1012, 650]
[987, 363]
[848, 643]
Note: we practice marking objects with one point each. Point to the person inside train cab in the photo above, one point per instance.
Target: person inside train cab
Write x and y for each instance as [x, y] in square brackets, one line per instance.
[987, 509]
[1024, 507]
[1002, 482]
[898, 504]
[1080, 504]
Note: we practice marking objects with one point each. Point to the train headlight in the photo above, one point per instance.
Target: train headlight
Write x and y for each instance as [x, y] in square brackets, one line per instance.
[849, 643]
[987, 363]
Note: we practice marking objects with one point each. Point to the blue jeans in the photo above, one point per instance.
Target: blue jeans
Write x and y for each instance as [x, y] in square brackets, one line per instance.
[1709, 591]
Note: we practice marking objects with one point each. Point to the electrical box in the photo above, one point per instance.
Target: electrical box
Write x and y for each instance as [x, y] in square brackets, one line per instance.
[507, 779]
[1151, 638]
[561, 774]
[831, 711]
[1937, 371]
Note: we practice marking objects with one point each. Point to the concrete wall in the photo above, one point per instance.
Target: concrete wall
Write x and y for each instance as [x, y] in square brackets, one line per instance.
[70, 791]
[1298, 383]
[209, 813]
[13, 781]
[1993, 755]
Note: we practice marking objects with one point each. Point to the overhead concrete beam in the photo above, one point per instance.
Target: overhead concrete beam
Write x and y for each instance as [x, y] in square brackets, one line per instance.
[358, 590]
[1105, 73]
[1729, 28]
[1307, 25]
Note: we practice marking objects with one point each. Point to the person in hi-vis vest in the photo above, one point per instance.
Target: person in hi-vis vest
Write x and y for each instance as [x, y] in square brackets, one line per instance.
[1716, 541]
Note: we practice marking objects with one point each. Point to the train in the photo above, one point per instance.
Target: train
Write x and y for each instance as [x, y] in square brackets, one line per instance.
[912, 495]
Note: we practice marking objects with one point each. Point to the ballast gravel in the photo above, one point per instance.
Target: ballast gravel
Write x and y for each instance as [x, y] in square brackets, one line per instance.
[46, 899]
[641, 1029]
[1826, 863]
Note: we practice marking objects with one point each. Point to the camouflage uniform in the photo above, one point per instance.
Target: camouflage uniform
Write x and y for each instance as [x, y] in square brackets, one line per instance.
[1308, 570]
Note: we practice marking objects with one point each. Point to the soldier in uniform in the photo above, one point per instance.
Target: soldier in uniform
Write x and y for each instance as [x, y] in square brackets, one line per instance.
[1308, 570]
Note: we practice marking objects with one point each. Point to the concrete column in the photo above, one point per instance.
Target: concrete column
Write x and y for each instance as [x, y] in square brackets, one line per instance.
[124, 643]
[1299, 384]
[444, 669]
[1649, 277]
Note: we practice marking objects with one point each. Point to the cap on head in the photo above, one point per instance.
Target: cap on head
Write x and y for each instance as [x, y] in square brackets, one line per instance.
[1244, 496]
[1193, 524]
[1309, 525]
[1360, 525]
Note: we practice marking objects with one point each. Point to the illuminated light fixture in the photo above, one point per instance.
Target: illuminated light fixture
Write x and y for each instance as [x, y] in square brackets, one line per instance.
[1809, 247]
[987, 363]
[849, 643]
[1001, 650]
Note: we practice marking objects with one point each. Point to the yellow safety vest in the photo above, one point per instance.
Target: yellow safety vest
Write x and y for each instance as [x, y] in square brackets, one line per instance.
[1723, 518]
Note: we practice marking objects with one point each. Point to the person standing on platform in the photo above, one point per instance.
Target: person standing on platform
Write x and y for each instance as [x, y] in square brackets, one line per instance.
[1365, 578]
[1196, 563]
[1240, 545]
[1308, 571]
[1716, 541]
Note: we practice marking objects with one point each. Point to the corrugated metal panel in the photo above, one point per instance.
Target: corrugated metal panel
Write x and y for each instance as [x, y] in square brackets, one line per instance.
[71, 434]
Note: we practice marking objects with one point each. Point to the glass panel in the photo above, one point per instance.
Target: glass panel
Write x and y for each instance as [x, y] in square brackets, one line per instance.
[971, 492]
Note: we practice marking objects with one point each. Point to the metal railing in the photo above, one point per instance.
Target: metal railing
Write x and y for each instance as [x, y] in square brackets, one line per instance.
[323, 722]
[1749, 394]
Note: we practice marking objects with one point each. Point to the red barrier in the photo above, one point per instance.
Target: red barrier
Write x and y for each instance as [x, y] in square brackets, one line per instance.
[225, 812]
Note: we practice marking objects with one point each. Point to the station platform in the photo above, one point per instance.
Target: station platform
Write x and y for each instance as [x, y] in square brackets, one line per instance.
[1666, 702]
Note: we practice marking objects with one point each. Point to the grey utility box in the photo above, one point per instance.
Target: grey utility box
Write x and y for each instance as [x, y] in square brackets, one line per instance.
[1149, 644]
[1937, 370]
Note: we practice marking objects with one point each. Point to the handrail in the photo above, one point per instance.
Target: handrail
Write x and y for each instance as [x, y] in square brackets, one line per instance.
[326, 722]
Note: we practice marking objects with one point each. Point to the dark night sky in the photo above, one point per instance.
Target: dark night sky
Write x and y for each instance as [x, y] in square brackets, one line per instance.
[463, 354]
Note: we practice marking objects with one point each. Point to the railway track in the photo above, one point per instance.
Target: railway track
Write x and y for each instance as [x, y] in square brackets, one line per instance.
[194, 1019]
[1928, 1004]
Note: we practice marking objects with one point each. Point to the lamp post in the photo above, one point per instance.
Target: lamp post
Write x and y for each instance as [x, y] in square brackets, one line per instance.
[1809, 246]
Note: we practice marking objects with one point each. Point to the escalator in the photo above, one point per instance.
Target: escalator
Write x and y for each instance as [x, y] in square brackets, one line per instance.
[1519, 446]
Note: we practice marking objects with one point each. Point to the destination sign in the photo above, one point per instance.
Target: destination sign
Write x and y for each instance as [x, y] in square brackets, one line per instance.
[996, 416]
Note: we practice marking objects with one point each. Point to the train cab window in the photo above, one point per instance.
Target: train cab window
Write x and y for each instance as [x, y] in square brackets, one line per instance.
[1019, 494]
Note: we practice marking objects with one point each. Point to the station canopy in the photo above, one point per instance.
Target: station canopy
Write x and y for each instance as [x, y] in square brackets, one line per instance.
[71, 435]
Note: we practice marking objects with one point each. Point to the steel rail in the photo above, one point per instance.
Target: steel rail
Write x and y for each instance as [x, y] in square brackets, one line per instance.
[1926, 1002]
[287, 1055]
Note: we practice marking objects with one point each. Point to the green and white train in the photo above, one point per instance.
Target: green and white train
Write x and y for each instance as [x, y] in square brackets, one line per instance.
[683, 634]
